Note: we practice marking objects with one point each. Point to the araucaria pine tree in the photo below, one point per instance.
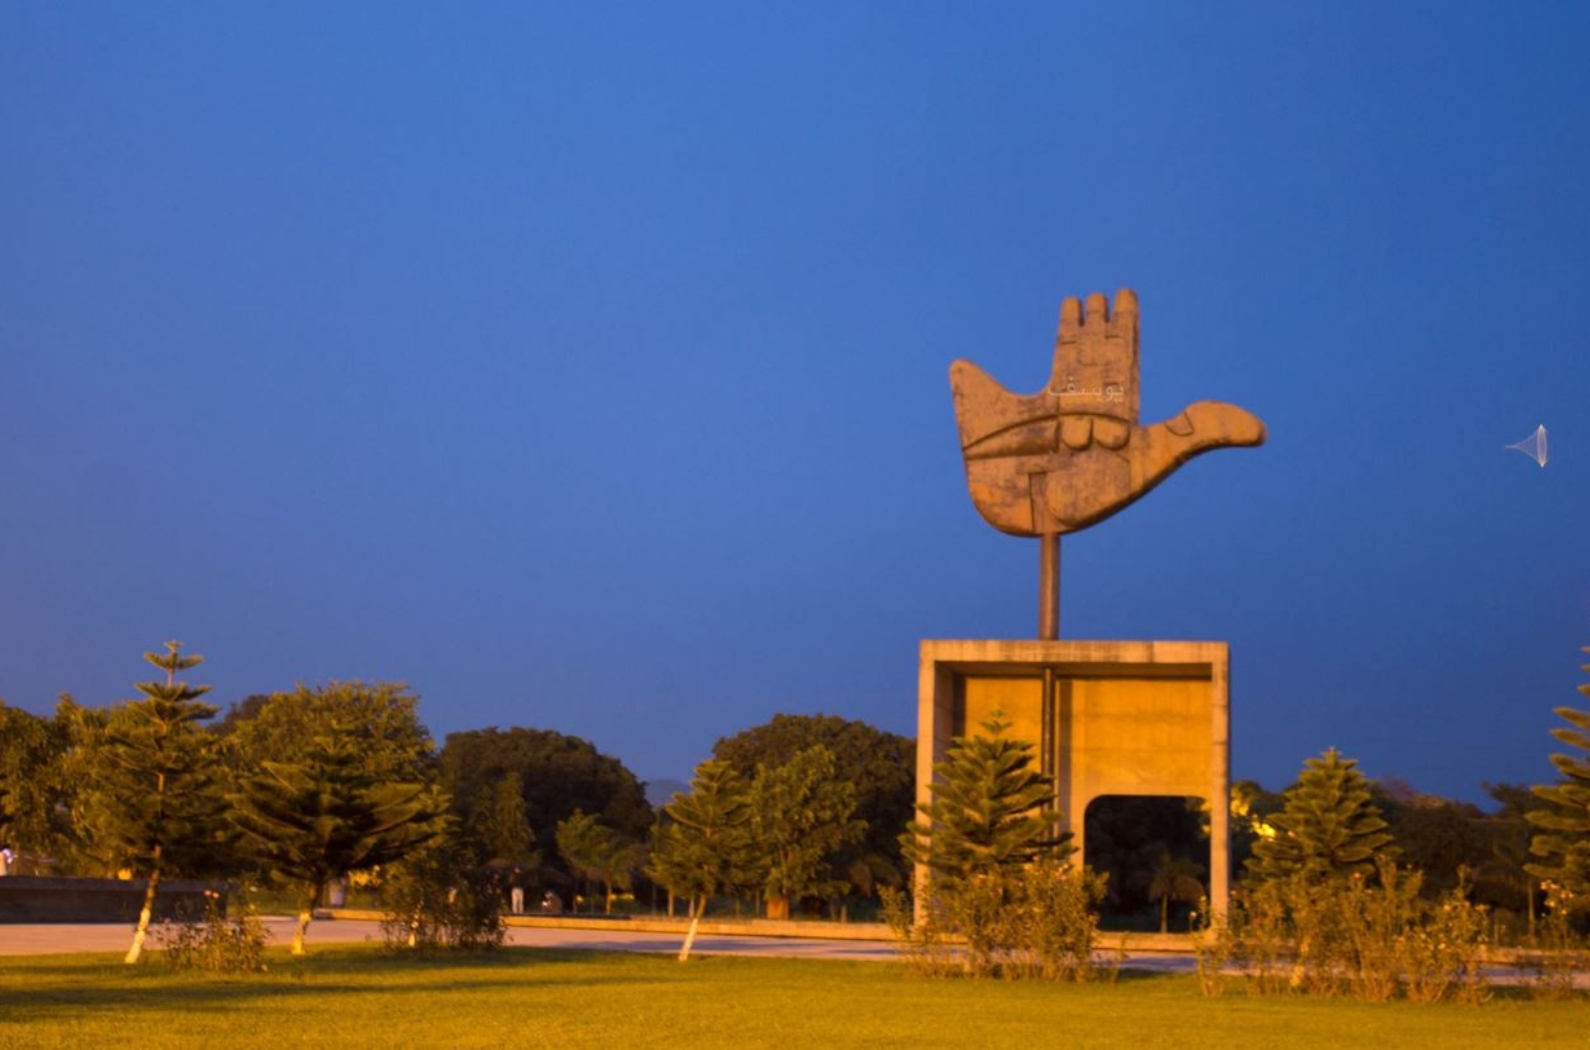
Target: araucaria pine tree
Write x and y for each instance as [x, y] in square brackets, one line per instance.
[702, 845]
[152, 764]
[318, 818]
[1328, 826]
[1563, 841]
[992, 810]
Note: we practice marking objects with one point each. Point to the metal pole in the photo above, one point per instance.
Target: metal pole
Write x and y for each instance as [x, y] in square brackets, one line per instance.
[1046, 763]
[1049, 587]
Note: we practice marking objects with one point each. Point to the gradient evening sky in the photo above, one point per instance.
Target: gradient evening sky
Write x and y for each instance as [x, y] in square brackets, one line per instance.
[585, 365]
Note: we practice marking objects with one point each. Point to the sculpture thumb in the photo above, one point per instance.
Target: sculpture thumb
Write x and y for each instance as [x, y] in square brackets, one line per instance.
[1201, 427]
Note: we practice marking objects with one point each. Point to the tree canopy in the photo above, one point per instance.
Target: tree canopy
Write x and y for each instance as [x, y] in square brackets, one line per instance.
[702, 845]
[381, 718]
[1439, 837]
[1504, 880]
[596, 853]
[559, 774]
[150, 804]
[991, 810]
[1328, 825]
[880, 765]
[34, 787]
[1131, 838]
[1562, 839]
[326, 813]
[801, 813]
[498, 828]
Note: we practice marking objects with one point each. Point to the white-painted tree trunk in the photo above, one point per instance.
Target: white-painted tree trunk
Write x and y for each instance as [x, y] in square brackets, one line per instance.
[690, 938]
[303, 928]
[312, 901]
[142, 929]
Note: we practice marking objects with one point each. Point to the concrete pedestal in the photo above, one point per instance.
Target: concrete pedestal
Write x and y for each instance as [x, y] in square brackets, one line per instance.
[1108, 718]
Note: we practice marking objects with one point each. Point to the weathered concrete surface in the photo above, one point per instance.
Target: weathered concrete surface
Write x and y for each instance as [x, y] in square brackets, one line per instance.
[1074, 453]
[50, 899]
[1122, 718]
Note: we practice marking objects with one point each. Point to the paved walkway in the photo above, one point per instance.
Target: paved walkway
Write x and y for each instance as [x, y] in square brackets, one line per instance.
[64, 938]
[61, 939]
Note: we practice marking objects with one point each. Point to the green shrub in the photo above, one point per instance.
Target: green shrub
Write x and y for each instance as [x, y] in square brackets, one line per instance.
[441, 900]
[216, 941]
[1374, 940]
[1557, 953]
[1037, 921]
[926, 947]
[1052, 922]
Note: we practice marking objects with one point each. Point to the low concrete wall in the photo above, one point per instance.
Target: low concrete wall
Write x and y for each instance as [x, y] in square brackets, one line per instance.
[32, 899]
[830, 931]
[1104, 941]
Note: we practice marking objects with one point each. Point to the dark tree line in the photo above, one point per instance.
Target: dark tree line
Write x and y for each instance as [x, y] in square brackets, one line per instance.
[310, 784]
[313, 782]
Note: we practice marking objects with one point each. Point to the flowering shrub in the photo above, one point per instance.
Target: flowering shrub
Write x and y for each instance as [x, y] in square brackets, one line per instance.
[1036, 921]
[926, 947]
[1557, 953]
[1371, 939]
[441, 899]
[216, 941]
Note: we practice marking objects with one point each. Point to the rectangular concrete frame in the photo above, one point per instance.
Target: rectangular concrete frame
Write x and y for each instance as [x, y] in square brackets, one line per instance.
[1130, 718]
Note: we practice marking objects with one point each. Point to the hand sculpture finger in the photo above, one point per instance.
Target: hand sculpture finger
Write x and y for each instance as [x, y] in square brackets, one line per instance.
[1073, 453]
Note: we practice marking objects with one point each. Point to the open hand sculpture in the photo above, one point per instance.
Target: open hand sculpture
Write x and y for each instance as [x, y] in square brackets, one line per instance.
[1073, 453]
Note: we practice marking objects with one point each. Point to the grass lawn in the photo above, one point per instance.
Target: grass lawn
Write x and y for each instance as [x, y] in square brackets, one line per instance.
[357, 997]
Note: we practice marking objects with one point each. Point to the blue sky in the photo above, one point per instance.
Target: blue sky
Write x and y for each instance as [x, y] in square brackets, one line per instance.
[585, 366]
